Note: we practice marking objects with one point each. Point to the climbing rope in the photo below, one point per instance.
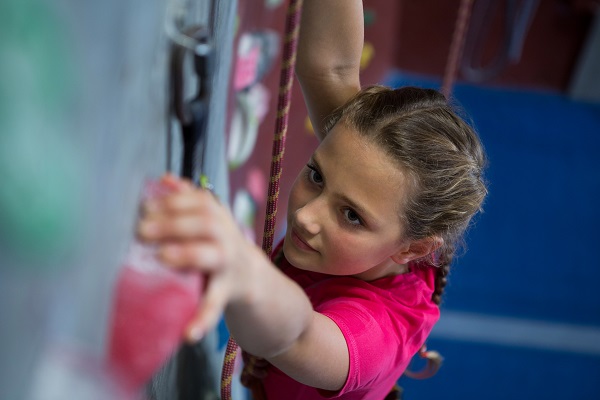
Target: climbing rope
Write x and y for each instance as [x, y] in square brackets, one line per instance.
[456, 47]
[290, 45]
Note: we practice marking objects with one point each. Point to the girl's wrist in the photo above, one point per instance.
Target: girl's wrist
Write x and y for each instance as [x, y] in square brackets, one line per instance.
[249, 284]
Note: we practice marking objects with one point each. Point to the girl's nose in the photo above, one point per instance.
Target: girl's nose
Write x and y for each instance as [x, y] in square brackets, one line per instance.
[309, 217]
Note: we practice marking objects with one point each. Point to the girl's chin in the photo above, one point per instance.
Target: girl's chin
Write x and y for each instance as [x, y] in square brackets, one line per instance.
[299, 258]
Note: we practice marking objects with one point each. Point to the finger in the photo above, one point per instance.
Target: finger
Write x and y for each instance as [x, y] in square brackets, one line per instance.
[179, 227]
[195, 200]
[158, 191]
[192, 200]
[175, 183]
[201, 256]
[213, 305]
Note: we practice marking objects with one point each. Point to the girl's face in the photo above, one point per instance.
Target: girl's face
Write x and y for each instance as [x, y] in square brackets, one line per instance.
[344, 209]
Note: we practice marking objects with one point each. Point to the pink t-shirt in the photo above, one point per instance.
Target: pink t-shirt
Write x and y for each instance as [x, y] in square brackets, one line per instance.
[385, 322]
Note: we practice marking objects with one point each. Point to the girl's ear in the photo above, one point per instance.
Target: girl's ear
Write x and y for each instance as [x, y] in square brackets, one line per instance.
[416, 249]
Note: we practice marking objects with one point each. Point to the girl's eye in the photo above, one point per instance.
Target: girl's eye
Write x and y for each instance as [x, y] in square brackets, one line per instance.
[352, 217]
[314, 176]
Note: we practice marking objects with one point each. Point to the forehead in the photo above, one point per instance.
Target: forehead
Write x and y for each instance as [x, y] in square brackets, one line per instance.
[362, 171]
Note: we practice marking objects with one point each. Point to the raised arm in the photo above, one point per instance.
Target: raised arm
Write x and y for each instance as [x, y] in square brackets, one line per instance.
[329, 50]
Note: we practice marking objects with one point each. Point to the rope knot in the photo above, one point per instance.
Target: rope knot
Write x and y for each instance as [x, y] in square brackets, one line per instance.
[255, 368]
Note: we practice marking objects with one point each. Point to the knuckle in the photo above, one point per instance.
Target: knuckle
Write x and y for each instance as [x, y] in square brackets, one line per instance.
[170, 203]
[212, 227]
[208, 256]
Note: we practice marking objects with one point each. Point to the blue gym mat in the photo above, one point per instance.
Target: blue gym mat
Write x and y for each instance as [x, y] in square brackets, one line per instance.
[478, 371]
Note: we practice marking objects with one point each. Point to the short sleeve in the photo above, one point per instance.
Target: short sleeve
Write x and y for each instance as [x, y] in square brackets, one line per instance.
[382, 334]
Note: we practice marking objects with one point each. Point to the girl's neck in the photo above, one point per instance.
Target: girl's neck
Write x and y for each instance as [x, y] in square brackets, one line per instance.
[383, 271]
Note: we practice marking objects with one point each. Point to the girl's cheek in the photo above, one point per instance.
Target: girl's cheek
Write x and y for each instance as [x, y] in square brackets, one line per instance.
[342, 248]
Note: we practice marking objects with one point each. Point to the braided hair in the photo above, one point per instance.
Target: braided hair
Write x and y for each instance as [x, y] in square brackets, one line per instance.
[439, 151]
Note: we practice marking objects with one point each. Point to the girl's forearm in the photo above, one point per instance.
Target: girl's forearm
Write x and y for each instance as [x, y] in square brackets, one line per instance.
[329, 51]
[272, 313]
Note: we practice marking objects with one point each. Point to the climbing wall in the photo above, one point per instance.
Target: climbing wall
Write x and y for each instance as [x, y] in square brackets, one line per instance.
[83, 116]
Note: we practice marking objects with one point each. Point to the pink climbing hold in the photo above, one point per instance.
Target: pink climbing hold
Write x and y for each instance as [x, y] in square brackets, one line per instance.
[256, 183]
[152, 307]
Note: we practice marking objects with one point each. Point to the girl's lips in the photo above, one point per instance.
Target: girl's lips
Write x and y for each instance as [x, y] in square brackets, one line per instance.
[300, 243]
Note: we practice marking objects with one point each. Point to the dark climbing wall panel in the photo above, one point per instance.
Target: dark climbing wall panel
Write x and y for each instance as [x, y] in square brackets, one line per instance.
[550, 53]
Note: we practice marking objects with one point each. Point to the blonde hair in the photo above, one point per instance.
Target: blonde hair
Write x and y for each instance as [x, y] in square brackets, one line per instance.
[441, 153]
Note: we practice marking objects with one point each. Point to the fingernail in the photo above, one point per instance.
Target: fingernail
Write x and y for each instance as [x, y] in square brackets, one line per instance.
[195, 333]
[172, 182]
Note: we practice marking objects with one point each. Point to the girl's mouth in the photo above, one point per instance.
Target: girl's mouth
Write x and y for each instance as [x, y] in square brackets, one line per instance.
[300, 243]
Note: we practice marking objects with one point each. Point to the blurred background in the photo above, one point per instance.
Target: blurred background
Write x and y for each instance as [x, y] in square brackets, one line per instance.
[86, 118]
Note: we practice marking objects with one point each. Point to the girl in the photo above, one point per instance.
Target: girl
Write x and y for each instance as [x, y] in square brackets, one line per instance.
[372, 224]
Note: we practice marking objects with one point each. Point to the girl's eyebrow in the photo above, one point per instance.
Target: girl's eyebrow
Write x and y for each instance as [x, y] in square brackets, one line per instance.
[361, 210]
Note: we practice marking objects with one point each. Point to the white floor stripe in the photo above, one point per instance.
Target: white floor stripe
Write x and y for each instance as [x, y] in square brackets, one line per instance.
[518, 332]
